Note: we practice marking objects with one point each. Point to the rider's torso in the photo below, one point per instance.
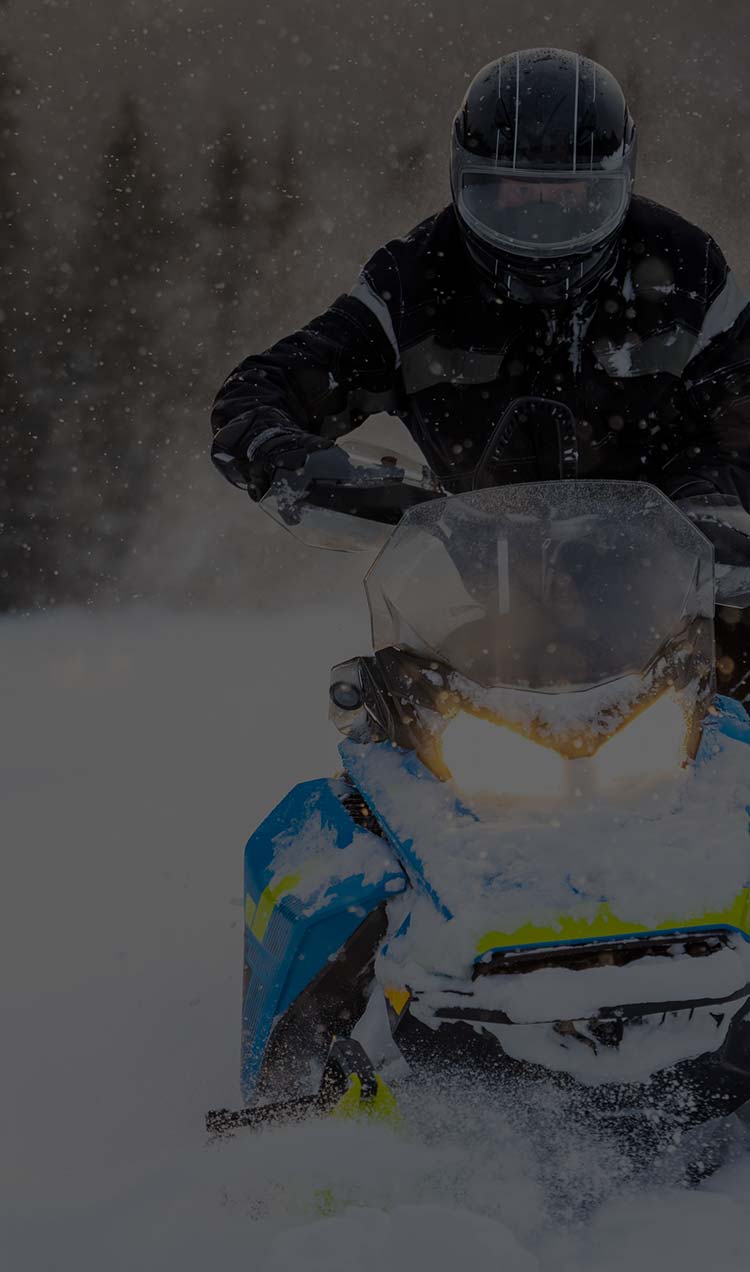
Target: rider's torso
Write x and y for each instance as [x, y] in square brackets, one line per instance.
[617, 360]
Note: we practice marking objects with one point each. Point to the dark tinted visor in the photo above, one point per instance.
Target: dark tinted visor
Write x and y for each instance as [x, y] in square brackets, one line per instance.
[543, 214]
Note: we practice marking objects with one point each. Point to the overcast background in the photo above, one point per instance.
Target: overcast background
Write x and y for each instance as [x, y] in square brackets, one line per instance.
[181, 183]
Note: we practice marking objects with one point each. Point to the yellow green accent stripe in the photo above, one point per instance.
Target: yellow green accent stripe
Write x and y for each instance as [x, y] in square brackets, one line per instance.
[250, 908]
[605, 923]
[382, 1107]
[398, 998]
[258, 914]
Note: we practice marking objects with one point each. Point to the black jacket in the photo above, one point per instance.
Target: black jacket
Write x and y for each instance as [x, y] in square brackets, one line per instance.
[655, 365]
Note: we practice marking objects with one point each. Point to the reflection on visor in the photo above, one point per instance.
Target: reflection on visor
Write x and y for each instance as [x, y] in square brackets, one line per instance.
[543, 214]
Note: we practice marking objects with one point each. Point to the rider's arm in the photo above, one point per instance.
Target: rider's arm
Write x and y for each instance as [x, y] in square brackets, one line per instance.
[324, 379]
[716, 394]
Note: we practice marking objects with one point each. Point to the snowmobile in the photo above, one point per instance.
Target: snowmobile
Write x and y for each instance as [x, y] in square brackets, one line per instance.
[534, 864]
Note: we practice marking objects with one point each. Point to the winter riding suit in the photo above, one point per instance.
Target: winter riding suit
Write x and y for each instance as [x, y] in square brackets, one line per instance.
[546, 277]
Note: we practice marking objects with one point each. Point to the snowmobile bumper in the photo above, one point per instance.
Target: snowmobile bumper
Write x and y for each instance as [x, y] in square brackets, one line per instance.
[703, 1044]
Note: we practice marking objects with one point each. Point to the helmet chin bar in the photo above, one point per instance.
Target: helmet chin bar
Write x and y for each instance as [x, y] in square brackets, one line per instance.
[543, 283]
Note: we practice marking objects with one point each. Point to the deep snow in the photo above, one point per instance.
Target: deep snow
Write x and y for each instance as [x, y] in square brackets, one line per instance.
[139, 750]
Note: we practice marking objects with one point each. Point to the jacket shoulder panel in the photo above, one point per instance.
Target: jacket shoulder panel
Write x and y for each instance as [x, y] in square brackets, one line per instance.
[671, 293]
[419, 274]
[669, 255]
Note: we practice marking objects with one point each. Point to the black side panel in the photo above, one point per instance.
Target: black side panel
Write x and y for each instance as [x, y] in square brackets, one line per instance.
[329, 1007]
[712, 1085]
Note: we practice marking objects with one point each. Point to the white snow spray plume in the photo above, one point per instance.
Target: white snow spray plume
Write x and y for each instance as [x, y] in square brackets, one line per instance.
[140, 750]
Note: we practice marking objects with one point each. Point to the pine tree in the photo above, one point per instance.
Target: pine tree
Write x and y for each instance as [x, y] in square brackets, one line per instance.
[120, 381]
[250, 211]
[405, 166]
[285, 202]
[230, 238]
[25, 510]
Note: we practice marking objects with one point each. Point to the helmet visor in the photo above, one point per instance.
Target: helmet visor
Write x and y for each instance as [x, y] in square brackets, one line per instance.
[538, 214]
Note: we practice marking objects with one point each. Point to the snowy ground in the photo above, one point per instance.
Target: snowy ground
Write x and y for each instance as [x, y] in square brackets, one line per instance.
[140, 748]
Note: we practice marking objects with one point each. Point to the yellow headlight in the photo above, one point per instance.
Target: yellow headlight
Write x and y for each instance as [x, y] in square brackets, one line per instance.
[487, 758]
[651, 745]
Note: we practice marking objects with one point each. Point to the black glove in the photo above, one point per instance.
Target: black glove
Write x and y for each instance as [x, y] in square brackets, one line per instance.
[724, 522]
[251, 457]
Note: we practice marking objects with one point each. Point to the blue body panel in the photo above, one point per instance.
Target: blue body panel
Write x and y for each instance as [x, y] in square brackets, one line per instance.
[729, 719]
[355, 761]
[301, 930]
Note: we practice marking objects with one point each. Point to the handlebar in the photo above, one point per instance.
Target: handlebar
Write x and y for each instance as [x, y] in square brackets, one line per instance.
[348, 501]
[726, 524]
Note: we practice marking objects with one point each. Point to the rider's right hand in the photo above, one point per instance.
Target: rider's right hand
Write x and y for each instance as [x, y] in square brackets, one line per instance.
[253, 463]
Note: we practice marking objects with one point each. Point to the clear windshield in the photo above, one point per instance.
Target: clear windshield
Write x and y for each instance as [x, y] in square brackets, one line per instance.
[550, 584]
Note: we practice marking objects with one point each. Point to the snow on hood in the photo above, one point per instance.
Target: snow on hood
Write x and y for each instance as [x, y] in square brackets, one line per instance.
[674, 851]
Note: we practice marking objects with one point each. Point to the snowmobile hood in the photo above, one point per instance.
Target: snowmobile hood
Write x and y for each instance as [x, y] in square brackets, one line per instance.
[554, 877]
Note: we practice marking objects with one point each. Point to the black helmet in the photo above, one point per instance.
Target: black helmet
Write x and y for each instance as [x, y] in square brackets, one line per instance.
[542, 167]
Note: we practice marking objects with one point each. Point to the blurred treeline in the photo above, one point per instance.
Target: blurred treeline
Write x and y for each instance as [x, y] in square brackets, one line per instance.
[180, 185]
[95, 382]
[113, 341]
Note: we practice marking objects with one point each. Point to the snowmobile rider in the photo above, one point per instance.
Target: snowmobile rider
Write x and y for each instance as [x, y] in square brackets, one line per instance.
[545, 276]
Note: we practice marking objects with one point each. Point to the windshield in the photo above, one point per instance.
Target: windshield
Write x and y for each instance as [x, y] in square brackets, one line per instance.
[550, 584]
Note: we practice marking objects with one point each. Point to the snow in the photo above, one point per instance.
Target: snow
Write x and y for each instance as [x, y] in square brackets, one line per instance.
[561, 994]
[317, 863]
[371, 1240]
[535, 862]
[656, 1045]
[602, 708]
[648, 852]
[140, 747]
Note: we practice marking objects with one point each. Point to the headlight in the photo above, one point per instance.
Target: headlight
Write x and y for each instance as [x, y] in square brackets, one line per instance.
[651, 745]
[485, 758]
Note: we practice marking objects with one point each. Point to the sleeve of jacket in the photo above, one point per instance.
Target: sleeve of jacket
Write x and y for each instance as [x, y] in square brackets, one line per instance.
[716, 394]
[325, 379]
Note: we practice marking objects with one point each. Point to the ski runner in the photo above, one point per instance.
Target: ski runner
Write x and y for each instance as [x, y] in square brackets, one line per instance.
[545, 276]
